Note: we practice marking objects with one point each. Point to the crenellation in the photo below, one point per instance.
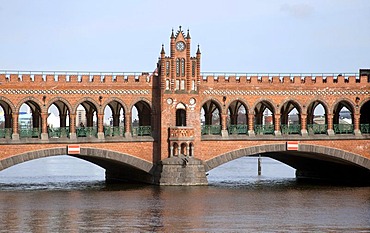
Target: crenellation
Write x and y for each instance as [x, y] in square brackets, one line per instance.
[364, 79]
[49, 78]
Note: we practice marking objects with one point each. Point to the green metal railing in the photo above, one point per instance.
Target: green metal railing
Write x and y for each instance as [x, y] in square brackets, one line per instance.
[365, 128]
[343, 128]
[317, 128]
[237, 129]
[211, 129]
[142, 130]
[290, 129]
[114, 131]
[58, 132]
[264, 129]
[29, 133]
[86, 132]
[6, 133]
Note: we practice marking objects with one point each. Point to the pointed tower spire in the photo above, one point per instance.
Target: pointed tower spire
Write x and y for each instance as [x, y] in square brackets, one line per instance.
[162, 51]
[198, 50]
[188, 35]
[172, 35]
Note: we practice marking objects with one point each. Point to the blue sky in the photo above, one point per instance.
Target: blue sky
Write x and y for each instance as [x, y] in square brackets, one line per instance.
[234, 36]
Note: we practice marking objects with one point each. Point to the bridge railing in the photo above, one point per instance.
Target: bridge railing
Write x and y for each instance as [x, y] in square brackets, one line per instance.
[29, 132]
[290, 129]
[365, 128]
[58, 132]
[237, 129]
[211, 129]
[343, 128]
[112, 131]
[6, 133]
[317, 128]
[264, 129]
[86, 132]
[142, 130]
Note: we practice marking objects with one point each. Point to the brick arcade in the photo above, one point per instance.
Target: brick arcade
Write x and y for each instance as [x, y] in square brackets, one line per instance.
[189, 121]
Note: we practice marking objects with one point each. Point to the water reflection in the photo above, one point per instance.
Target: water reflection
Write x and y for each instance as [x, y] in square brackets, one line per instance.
[237, 200]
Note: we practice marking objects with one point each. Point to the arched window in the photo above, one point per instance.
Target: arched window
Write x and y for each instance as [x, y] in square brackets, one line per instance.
[180, 117]
[177, 67]
[182, 67]
[167, 68]
[167, 84]
[193, 68]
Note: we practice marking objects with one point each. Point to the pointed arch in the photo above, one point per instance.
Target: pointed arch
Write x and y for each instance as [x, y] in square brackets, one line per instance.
[264, 117]
[91, 101]
[237, 120]
[10, 103]
[317, 123]
[118, 100]
[30, 99]
[343, 116]
[290, 122]
[210, 114]
[365, 116]
[59, 99]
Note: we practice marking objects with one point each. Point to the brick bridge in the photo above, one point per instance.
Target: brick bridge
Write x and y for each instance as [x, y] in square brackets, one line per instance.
[173, 125]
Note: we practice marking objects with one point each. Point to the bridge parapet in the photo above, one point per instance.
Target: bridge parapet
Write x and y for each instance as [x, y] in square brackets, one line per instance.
[19, 78]
[332, 79]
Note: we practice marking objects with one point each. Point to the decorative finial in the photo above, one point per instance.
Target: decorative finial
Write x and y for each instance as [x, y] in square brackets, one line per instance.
[180, 28]
[172, 35]
[162, 51]
[198, 51]
[188, 35]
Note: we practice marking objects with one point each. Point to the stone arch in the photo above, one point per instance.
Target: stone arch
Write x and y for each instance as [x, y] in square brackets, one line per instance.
[111, 99]
[364, 109]
[218, 103]
[264, 124]
[94, 155]
[270, 102]
[306, 149]
[338, 105]
[347, 103]
[61, 99]
[6, 125]
[143, 99]
[209, 107]
[363, 102]
[290, 124]
[32, 99]
[317, 100]
[86, 99]
[11, 105]
[241, 100]
[297, 104]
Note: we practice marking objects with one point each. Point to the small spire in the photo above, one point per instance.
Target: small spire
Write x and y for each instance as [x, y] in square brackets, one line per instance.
[188, 35]
[172, 35]
[198, 50]
[162, 51]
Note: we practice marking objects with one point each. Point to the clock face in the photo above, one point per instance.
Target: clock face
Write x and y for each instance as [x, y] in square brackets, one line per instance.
[180, 46]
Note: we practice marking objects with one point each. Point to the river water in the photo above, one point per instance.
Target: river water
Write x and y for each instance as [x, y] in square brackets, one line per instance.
[64, 194]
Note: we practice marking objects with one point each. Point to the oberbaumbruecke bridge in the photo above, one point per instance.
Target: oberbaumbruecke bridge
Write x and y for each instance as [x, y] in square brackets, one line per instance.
[189, 122]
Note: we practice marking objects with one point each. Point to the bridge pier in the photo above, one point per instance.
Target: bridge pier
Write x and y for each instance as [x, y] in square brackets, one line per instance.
[181, 171]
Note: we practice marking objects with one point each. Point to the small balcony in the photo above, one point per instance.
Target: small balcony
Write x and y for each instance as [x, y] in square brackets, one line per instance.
[181, 133]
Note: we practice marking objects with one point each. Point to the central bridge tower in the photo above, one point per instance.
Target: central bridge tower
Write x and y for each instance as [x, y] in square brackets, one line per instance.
[180, 131]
